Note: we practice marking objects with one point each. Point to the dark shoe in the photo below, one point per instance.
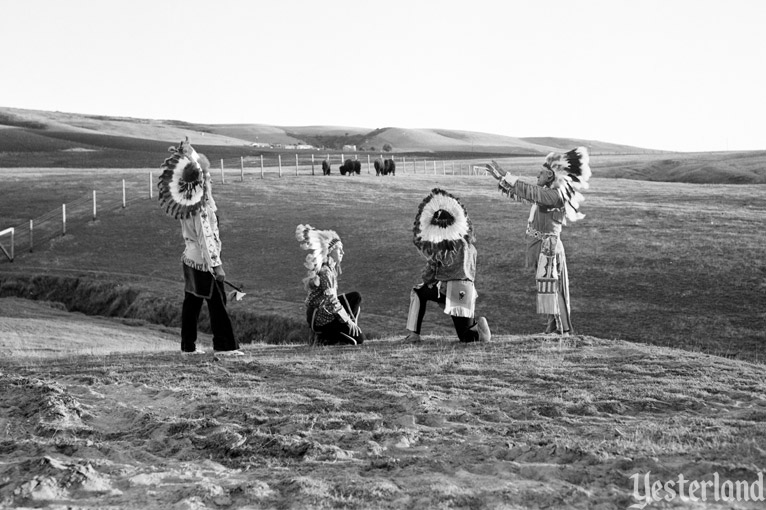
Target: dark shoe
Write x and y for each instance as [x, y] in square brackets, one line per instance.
[412, 338]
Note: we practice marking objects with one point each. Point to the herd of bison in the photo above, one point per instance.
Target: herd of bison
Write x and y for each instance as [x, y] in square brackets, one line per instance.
[354, 166]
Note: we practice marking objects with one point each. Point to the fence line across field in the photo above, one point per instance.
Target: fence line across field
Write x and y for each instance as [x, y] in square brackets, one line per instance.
[53, 223]
[311, 165]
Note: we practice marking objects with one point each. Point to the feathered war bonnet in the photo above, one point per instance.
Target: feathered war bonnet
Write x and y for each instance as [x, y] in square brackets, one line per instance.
[441, 225]
[184, 183]
[319, 243]
[572, 172]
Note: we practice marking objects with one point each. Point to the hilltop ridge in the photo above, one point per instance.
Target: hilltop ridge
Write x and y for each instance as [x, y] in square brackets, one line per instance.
[67, 126]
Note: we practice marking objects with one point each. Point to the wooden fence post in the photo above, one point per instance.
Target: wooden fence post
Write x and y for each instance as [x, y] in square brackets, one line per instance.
[296, 164]
[223, 178]
[151, 187]
[63, 219]
[241, 169]
[280, 165]
[31, 235]
[123, 193]
[261, 166]
[312, 164]
[94, 205]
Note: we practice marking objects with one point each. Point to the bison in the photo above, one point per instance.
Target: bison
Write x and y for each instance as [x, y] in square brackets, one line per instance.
[385, 167]
[325, 167]
[351, 167]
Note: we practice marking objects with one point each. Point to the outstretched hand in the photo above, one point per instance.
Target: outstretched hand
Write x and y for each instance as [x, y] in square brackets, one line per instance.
[495, 170]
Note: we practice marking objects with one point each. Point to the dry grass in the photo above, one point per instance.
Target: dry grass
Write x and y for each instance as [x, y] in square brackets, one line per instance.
[521, 422]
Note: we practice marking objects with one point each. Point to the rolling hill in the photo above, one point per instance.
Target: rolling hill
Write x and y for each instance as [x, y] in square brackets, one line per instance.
[44, 139]
[29, 131]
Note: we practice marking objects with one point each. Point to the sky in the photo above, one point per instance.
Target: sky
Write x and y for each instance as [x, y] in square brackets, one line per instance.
[679, 75]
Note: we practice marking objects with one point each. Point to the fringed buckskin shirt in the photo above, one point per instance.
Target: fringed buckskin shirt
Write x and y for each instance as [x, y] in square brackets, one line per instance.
[203, 246]
[546, 217]
[458, 265]
[324, 298]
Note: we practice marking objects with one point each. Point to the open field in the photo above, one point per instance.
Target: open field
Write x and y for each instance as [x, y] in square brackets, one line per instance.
[520, 422]
[664, 263]
[105, 413]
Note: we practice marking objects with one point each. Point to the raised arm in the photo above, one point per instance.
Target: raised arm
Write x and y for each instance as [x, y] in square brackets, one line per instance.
[512, 187]
[540, 195]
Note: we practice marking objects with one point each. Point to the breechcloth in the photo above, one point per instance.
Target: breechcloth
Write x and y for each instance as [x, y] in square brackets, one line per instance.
[552, 280]
[338, 332]
[420, 295]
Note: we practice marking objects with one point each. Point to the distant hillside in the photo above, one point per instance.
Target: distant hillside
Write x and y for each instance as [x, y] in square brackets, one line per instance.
[33, 138]
[23, 132]
[748, 167]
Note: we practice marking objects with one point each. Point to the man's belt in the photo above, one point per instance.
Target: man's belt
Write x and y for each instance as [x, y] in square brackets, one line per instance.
[531, 232]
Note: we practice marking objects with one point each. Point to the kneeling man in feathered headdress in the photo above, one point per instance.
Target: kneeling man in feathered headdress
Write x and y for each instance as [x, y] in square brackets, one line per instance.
[443, 234]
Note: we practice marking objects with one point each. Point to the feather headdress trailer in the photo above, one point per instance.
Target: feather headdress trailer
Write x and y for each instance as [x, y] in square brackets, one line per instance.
[572, 171]
[441, 225]
[319, 243]
[182, 184]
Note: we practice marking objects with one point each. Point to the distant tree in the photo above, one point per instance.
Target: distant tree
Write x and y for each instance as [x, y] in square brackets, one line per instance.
[387, 147]
[372, 148]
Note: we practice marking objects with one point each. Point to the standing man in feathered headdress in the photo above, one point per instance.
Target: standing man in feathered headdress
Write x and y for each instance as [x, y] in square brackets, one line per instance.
[443, 234]
[555, 199]
[332, 318]
[185, 193]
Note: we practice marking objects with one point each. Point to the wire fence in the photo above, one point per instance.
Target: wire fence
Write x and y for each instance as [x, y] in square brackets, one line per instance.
[27, 236]
[312, 164]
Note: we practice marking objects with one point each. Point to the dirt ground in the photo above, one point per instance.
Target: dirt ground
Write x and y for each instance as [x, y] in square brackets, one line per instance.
[106, 413]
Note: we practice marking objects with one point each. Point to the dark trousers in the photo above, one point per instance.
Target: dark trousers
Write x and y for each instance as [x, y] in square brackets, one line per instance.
[420, 295]
[337, 332]
[220, 323]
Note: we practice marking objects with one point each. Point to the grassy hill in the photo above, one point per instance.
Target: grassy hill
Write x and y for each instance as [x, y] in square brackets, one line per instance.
[520, 422]
[25, 132]
[31, 138]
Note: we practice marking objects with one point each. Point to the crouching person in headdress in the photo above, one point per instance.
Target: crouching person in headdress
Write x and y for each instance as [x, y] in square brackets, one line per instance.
[555, 199]
[332, 318]
[444, 236]
[185, 194]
